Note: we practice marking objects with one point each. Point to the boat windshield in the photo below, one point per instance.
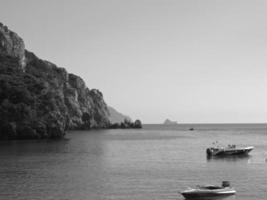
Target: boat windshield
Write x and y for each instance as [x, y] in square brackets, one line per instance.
[231, 146]
[211, 187]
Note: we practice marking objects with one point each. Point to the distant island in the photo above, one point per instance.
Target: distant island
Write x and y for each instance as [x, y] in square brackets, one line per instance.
[169, 122]
[41, 100]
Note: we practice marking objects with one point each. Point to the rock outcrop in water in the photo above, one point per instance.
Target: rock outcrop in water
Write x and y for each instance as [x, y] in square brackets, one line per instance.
[39, 99]
[169, 122]
[126, 124]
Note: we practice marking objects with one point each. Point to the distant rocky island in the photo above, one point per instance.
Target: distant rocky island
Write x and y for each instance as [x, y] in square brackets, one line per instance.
[40, 100]
[169, 122]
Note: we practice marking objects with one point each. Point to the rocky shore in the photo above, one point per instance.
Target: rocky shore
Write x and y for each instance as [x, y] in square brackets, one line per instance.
[39, 99]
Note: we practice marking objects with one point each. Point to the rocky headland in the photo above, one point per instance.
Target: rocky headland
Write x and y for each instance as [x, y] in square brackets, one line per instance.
[39, 99]
[117, 117]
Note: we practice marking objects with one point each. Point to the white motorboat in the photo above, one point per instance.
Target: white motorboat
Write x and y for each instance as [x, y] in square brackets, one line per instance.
[209, 191]
[229, 150]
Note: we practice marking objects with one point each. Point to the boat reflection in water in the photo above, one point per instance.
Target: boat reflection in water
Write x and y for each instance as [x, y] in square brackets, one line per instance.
[215, 198]
[232, 158]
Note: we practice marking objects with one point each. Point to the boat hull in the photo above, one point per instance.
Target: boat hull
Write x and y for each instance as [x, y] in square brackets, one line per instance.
[196, 194]
[228, 152]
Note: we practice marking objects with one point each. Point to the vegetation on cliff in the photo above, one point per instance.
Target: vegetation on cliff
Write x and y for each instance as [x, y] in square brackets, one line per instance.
[126, 124]
[39, 99]
[44, 101]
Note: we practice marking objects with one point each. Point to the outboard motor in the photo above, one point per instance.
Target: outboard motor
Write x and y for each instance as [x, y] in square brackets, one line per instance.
[225, 184]
[209, 152]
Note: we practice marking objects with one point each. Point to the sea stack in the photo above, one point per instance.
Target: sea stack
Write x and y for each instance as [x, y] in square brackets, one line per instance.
[169, 122]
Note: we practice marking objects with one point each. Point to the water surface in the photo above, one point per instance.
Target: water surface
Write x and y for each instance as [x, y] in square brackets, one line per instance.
[155, 162]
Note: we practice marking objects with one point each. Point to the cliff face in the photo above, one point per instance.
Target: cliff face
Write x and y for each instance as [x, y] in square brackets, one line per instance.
[11, 45]
[39, 99]
[86, 107]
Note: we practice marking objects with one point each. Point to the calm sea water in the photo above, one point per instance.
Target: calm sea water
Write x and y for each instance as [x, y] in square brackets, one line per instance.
[155, 162]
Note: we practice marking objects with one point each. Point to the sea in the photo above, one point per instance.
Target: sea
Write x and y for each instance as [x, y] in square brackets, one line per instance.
[153, 163]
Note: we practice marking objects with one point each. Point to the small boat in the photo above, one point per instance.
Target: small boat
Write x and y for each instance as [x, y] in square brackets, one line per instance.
[229, 150]
[209, 191]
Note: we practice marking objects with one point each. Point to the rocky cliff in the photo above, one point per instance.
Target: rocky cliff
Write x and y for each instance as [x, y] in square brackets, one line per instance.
[12, 45]
[39, 99]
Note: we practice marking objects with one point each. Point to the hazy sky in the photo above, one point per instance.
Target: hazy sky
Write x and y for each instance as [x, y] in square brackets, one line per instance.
[192, 61]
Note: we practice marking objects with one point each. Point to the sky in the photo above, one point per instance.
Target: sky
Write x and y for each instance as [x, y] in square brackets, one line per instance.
[192, 61]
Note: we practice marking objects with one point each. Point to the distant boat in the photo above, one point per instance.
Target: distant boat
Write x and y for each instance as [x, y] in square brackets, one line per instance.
[228, 151]
[209, 191]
